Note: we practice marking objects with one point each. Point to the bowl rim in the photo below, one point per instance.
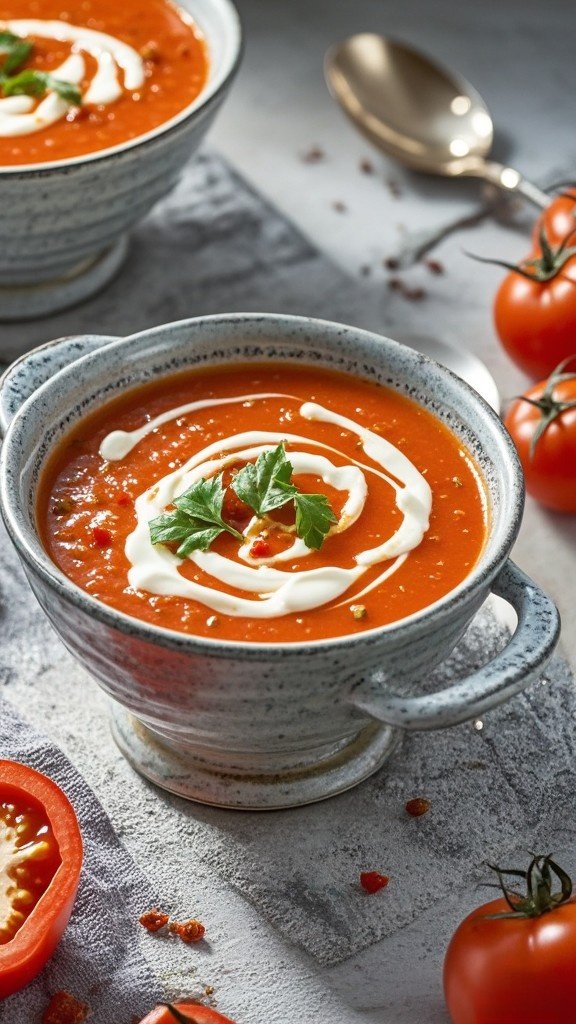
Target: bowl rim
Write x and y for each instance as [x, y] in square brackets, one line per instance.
[207, 96]
[401, 630]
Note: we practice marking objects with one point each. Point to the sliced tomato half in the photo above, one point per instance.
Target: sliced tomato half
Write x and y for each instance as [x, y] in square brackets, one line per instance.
[40, 863]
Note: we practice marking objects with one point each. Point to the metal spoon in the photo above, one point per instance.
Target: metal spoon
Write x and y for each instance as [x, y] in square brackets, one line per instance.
[419, 112]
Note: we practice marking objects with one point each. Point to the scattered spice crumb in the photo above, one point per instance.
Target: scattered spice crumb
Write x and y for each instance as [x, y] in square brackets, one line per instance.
[339, 206]
[417, 807]
[366, 166]
[153, 920]
[209, 990]
[435, 267]
[358, 611]
[457, 481]
[396, 284]
[62, 506]
[64, 1008]
[372, 881]
[391, 263]
[314, 155]
[188, 931]
[212, 621]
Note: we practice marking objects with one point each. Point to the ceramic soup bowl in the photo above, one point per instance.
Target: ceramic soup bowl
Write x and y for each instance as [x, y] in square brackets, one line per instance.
[268, 725]
[64, 224]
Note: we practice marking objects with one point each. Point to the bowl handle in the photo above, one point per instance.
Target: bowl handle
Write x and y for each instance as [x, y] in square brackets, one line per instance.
[505, 675]
[26, 374]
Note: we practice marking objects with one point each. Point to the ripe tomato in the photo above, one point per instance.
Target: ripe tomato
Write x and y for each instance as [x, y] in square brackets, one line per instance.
[185, 1013]
[536, 319]
[549, 464]
[558, 219]
[517, 968]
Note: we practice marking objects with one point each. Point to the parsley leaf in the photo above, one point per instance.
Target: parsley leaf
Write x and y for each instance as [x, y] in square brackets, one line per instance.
[197, 520]
[266, 485]
[17, 50]
[263, 484]
[313, 518]
[37, 83]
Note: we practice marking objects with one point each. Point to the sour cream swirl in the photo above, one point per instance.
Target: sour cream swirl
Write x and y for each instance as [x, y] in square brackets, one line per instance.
[24, 115]
[155, 569]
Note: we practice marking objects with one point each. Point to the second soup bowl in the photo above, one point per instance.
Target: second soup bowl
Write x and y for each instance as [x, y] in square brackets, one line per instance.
[268, 725]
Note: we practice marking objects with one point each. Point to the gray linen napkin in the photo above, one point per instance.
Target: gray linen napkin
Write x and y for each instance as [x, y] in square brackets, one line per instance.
[214, 245]
[99, 959]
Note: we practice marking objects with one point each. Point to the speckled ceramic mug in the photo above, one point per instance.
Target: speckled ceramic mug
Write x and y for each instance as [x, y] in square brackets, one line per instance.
[64, 224]
[268, 725]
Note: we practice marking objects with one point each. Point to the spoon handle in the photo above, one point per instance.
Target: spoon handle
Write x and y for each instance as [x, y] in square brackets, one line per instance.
[510, 180]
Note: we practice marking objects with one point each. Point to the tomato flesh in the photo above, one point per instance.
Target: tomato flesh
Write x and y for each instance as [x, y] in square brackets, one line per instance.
[29, 859]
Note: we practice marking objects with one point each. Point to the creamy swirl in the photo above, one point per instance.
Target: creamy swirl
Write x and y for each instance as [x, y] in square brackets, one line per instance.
[24, 115]
[155, 569]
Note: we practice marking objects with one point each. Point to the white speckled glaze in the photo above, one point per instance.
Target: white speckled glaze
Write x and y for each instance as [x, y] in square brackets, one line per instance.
[268, 725]
[63, 225]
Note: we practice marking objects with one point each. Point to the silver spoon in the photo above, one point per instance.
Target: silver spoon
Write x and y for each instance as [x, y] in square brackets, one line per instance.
[419, 112]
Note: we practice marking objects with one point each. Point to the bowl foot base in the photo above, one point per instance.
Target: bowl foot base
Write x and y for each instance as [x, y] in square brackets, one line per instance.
[28, 301]
[199, 782]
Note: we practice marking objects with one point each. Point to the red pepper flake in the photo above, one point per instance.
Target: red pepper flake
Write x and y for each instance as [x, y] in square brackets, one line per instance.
[188, 931]
[315, 155]
[153, 920]
[64, 1008]
[391, 263]
[372, 882]
[366, 166]
[260, 549]
[125, 499]
[434, 266]
[102, 537]
[417, 807]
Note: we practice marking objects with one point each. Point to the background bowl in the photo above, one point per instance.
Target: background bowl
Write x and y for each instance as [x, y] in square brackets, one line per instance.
[268, 725]
[63, 229]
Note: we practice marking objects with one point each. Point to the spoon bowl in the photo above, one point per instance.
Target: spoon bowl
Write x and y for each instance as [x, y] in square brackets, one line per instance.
[417, 111]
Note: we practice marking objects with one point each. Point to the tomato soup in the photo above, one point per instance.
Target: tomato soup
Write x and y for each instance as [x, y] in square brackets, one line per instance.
[265, 503]
[92, 74]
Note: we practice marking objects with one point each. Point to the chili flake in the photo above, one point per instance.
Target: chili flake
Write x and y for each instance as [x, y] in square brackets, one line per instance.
[102, 537]
[153, 920]
[260, 548]
[417, 807]
[64, 1008]
[188, 931]
[372, 881]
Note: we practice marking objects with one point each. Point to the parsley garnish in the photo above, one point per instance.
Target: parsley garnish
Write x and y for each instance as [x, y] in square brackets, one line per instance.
[264, 485]
[197, 520]
[30, 82]
[17, 50]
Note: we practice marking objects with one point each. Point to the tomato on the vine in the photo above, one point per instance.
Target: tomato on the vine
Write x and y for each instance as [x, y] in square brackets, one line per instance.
[535, 307]
[511, 961]
[558, 219]
[542, 423]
